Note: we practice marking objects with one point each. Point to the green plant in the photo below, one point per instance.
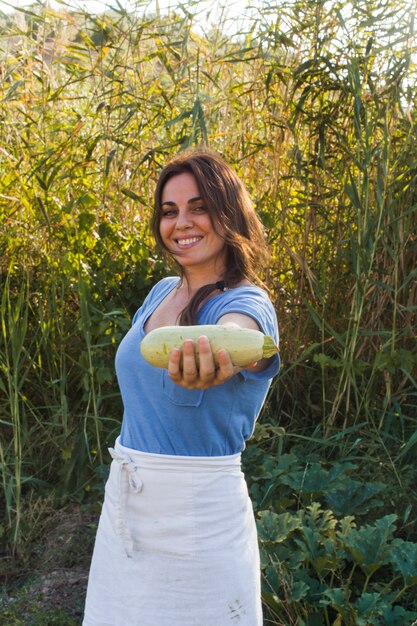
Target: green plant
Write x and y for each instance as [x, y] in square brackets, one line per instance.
[323, 562]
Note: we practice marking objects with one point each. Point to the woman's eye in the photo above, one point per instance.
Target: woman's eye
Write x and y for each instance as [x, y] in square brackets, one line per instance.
[199, 209]
[168, 213]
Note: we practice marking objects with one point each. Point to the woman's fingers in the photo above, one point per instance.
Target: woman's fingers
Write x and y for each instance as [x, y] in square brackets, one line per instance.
[185, 369]
[175, 365]
[189, 364]
[207, 368]
[226, 368]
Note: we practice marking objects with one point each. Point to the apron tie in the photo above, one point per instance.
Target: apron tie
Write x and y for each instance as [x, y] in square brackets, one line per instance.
[126, 463]
[134, 481]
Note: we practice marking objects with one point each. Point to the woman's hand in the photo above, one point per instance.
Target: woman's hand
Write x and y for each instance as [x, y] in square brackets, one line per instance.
[183, 369]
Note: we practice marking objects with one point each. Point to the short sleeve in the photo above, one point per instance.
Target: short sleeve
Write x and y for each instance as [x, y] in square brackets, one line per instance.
[255, 303]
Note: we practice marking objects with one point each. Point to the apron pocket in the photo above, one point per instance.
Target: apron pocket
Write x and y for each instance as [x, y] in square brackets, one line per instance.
[160, 519]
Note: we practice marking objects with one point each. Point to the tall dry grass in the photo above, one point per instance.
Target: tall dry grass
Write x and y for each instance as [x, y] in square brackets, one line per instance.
[313, 103]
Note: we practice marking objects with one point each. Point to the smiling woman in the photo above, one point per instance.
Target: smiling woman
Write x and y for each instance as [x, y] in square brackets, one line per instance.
[203, 178]
[176, 543]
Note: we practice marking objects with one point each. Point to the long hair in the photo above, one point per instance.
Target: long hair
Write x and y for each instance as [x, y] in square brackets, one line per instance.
[232, 215]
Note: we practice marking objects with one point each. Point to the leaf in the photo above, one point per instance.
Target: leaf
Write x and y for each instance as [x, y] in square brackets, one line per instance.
[400, 359]
[315, 517]
[410, 443]
[337, 598]
[404, 560]
[182, 116]
[299, 591]
[314, 479]
[273, 528]
[352, 192]
[369, 546]
[397, 616]
[109, 160]
[315, 540]
[86, 221]
[134, 196]
[320, 322]
[13, 89]
[354, 498]
[325, 361]
[272, 600]
[369, 607]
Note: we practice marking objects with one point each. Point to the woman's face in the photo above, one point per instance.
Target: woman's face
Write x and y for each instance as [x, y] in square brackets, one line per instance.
[186, 228]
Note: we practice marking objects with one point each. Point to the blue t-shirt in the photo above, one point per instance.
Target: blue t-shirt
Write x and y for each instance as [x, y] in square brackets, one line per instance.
[164, 418]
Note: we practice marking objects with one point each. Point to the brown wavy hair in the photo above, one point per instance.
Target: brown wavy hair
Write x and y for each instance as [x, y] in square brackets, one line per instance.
[232, 215]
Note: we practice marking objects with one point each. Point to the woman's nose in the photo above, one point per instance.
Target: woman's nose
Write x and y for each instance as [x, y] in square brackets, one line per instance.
[183, 220]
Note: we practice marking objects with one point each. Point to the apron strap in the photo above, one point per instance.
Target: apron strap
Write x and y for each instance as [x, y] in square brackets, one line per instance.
[128, 473]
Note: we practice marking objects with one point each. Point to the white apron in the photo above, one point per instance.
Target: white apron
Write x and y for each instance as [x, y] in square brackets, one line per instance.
[176, 544]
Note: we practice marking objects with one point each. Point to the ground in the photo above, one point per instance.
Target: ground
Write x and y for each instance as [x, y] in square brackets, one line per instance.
[47, 586]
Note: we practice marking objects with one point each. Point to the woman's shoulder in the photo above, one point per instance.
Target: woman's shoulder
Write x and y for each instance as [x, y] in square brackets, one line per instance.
[247, 289]
[244, 298]
[162, 287]
[166, 283]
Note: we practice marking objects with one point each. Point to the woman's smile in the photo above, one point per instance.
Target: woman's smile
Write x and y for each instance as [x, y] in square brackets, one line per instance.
[188, 242]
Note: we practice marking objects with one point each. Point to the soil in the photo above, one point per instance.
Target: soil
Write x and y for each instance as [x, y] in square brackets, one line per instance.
[47, 586]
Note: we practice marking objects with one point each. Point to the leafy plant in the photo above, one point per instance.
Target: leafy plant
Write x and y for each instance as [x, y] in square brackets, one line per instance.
[320, 565]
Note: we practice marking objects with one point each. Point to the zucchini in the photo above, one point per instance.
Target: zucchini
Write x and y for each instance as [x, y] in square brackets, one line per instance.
[244, 345]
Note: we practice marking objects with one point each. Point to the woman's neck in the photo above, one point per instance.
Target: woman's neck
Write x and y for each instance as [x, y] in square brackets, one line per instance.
[192, 283]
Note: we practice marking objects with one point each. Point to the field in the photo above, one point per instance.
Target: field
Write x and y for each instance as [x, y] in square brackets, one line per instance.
[313, 102]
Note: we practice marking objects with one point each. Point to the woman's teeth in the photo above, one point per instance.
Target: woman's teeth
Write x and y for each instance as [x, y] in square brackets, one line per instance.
[187, 242]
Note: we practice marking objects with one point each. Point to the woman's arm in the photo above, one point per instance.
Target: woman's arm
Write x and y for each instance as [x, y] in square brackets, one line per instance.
[244, 321]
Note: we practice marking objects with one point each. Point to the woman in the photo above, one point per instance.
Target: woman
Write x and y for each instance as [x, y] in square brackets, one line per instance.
[177, 543]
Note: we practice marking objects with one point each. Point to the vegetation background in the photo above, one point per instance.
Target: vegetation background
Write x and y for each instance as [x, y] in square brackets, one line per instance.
[313, 102]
